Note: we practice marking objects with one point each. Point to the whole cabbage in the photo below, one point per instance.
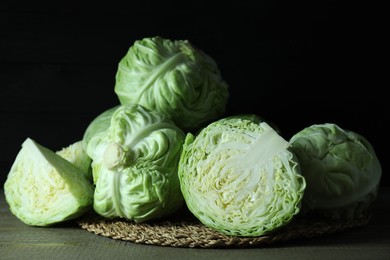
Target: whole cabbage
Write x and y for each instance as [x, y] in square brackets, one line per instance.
[174, 78]
[341, 169]
[98, 125]
[238, 177]
[134, 165]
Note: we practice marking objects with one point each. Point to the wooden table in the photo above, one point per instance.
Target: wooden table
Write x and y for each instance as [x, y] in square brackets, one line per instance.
[19, 241]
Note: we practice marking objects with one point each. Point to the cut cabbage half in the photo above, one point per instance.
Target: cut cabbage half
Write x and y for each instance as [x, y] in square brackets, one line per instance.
[239, 177]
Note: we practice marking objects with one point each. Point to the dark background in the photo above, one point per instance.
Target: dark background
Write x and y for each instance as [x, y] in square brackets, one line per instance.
[295, 64]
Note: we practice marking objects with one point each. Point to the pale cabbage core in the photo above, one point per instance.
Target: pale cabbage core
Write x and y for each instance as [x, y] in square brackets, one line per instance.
[243, 177]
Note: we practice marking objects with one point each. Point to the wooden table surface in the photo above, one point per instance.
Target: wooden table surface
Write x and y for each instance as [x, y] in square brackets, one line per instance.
[19, 241]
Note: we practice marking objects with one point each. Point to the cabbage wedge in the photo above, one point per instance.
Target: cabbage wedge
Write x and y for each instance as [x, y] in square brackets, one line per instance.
[44, 189]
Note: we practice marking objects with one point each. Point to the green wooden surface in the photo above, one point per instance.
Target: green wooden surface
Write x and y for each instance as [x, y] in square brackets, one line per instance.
[19, 241]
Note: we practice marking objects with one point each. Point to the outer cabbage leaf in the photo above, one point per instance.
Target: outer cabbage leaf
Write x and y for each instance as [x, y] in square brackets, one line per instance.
[134, 165]
[173, 78]
[43, 189]
[341, 169]
[238, 177]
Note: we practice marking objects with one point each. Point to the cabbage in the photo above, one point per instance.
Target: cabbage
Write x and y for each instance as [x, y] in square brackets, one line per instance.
[173, 78]
[341, 169]
[98, 125]
[77, 155]
[43, 189]
[134, 165]
[238, 177]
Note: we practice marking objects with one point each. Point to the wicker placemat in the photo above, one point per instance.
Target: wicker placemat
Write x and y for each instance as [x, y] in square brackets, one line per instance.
[188, 232]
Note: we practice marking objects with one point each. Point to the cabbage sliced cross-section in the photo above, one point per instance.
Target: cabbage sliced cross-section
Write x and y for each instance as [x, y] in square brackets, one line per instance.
[239, 177]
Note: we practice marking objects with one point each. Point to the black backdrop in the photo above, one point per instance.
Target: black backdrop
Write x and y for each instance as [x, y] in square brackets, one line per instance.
[295, 64]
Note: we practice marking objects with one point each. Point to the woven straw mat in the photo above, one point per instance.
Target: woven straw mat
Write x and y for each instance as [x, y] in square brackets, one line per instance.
[183, 230]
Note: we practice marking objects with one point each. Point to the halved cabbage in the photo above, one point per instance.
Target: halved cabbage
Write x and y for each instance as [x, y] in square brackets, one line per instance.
[134, 165]
[43, 189]
[239, 177]
[341, 169]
